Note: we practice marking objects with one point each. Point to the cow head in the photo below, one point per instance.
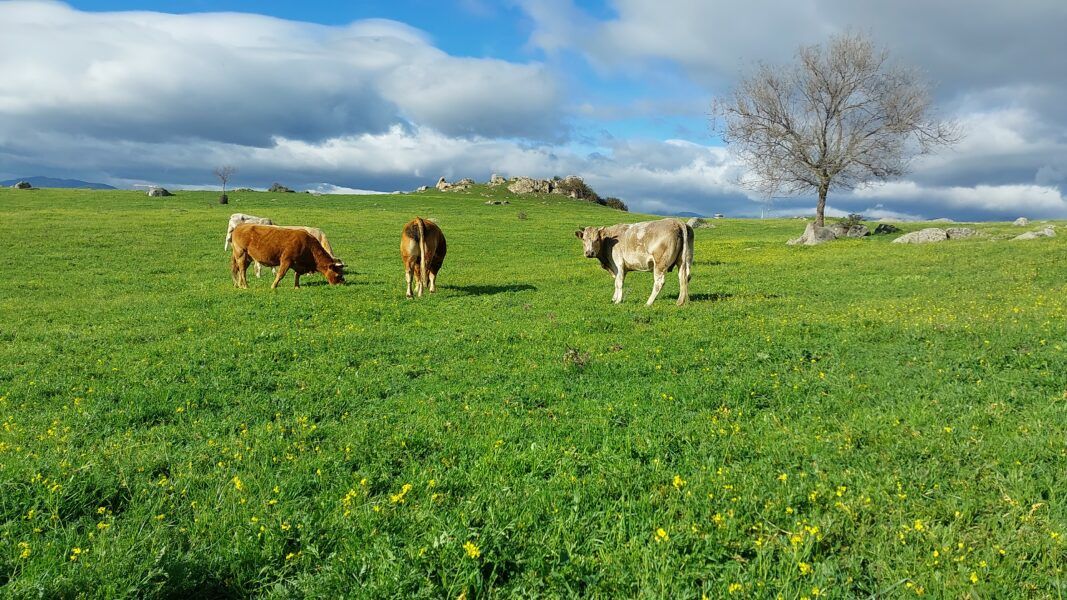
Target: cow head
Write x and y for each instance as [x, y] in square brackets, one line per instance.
[591, 239]
[335, 272]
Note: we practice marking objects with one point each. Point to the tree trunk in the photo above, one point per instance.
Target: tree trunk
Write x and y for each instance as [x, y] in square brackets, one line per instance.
[819, 208]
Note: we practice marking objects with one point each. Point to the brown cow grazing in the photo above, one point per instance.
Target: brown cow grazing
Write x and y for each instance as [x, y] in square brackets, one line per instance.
[283, 248]
[422, 248]
[657, 246]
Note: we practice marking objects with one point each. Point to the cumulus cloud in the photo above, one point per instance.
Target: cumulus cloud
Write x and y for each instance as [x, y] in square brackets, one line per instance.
[244, 79]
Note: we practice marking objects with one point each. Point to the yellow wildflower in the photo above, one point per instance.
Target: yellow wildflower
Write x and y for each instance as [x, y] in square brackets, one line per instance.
[661, 535]
[472, 549]
[398, 498]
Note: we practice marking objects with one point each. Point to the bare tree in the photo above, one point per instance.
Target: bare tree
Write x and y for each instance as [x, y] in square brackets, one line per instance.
[224, 174]
[840, 116]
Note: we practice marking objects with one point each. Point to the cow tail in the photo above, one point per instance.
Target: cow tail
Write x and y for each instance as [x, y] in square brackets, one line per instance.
[422, 252]
[686, 264]
[687, 249]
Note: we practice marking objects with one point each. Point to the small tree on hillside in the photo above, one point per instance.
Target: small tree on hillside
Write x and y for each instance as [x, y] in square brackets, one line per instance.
[841, 115]
[224, 174]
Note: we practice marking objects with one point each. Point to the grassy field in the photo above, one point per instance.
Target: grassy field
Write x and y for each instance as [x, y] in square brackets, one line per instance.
[850, 420]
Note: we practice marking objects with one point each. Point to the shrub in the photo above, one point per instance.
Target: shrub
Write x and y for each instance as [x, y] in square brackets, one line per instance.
[574, 186]
[615, 203]
[851, 220]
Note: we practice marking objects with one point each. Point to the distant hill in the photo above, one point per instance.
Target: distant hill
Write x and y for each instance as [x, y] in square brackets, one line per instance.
[52, 182]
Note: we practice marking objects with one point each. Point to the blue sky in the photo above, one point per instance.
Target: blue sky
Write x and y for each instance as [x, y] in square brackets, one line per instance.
[391, 95]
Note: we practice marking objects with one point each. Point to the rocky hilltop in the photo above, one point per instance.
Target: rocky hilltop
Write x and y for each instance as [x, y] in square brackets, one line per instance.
[571, 186]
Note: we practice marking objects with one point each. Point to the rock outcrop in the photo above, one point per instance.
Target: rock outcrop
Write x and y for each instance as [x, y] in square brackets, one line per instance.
[1021, 222]
[1033, 235]
[158, 192]
[528, 185]
[884, 228]
[813, 234]
[22, 185]
[496, 180]
[959, 233]
[278, 188]
[923, 236]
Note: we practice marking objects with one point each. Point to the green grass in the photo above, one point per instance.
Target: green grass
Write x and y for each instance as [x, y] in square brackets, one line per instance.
[854, 419]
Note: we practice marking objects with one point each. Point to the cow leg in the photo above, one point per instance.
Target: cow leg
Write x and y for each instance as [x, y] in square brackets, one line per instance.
[239, 266]
[296, 279]
[407, 281]
[660, 274]
[235, 271]
[620, 276]
[433, 282]
[282, 268]
[418, 281]
[259, 269]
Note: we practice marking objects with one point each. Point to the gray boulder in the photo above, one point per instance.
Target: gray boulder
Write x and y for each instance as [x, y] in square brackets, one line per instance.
[1021, 222]
[497, 202]
[1033, 235]
[22, 185]
[854, 231]
[278, 188]
[158, 192]
[497, 180]
[884, 228]
[464, 181]
[422, 188]
[699, 223]
[858, 231]
[442, 184]
[959, 233]
[923, 236]
[813, 234]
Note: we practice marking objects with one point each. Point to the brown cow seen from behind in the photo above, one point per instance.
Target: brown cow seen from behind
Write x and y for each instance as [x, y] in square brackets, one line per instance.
[422, 249]
[286, 249]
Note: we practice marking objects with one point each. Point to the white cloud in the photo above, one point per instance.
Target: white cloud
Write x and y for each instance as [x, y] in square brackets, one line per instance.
[246, 78]
[1002, 200]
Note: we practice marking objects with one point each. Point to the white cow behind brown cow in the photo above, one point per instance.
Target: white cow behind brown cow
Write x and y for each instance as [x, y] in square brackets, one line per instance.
[657, 246]
[238, 219]
[315, 233]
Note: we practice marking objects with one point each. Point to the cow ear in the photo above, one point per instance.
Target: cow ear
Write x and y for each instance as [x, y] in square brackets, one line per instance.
[578, 234]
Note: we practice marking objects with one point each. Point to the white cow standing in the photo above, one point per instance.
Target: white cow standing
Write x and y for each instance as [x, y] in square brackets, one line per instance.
[657, 246]
[239, 218]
